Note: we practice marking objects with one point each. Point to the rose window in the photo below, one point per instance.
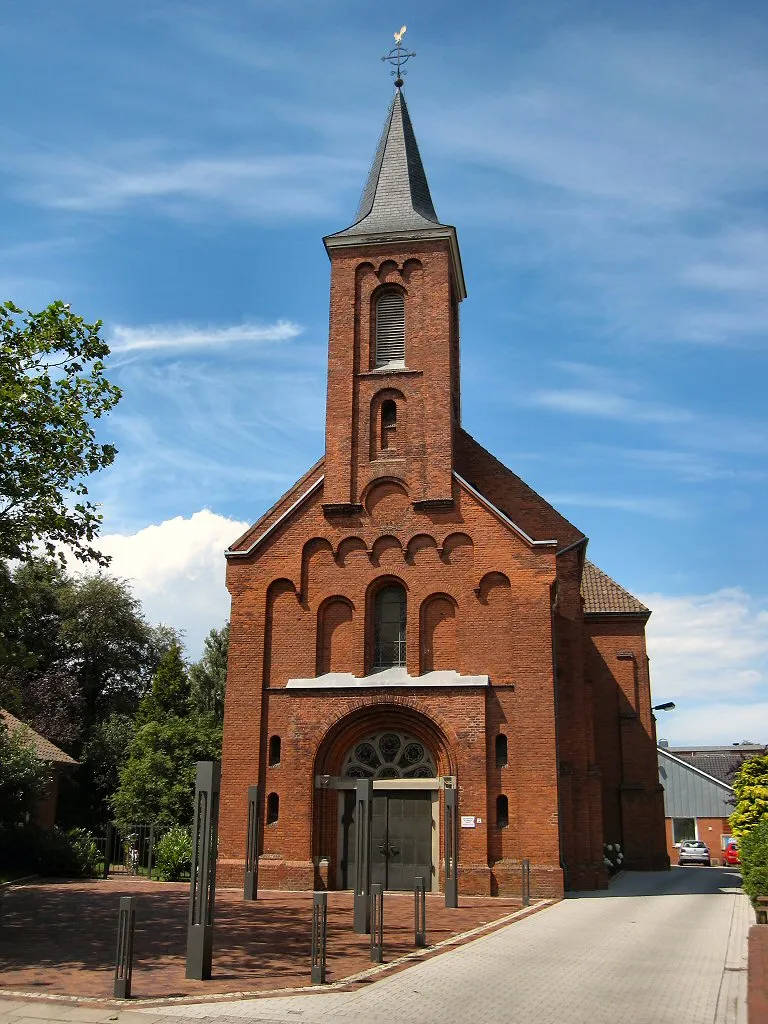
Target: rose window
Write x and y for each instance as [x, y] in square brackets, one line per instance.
[389, 755]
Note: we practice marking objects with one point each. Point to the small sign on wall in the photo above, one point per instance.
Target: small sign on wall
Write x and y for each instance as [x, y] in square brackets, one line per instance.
[468, 821]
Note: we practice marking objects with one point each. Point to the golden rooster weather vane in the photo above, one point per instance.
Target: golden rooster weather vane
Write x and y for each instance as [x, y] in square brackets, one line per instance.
[398, 56]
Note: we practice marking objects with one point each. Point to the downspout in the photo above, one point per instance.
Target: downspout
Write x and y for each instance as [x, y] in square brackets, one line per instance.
[555, 680]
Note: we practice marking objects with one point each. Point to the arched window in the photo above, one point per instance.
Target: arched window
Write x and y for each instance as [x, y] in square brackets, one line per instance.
[390, 329]
[501, 751]
[274, 751]
[273, 808]
[502, 811]
[389, 618]
[388, 423]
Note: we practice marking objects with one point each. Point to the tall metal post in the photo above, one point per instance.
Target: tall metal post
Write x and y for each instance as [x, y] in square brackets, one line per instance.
[377, 923]
[419, 911]
[202, 886]
[319, 936]
[108, 843]
[252, 843]
[363, 801]
[151, 850]
[126, 922]
[451, 848]
[526, 885]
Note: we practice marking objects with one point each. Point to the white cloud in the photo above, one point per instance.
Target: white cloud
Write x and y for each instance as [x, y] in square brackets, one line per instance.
[660, 508]
[709, 654]
[181, 336]
[585, 402]
[125, 175]
[176, 569]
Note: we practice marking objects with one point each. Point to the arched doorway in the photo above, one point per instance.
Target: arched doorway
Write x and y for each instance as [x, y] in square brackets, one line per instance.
[404, 826]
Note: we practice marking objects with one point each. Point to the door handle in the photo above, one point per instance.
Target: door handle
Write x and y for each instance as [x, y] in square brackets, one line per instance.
[394, 851]
[383, 848]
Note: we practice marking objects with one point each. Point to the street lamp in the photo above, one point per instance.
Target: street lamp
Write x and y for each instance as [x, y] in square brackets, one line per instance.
[669, 706]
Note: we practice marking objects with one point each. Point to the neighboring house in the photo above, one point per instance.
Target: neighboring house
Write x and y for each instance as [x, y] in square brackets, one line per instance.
[696, 804]
[45, 812]
[411, 613]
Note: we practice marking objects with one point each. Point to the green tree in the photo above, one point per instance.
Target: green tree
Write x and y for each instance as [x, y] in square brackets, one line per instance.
[750, 786]
[52, 389]
[23, 777]
[157, 781]
[208, 677]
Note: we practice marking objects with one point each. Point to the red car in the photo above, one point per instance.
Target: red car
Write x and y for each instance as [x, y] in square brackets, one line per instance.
[731, 852]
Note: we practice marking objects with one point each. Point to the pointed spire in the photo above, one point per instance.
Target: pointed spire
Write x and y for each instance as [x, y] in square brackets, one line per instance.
[396, 196]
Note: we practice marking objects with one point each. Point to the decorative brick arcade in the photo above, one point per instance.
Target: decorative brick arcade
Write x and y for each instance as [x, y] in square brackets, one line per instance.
[412, 612]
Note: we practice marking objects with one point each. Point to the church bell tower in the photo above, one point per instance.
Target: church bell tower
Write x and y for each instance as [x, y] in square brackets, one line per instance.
[393, 403]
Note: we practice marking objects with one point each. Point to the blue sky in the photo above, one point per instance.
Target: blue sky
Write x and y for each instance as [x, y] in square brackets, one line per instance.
[170, 168]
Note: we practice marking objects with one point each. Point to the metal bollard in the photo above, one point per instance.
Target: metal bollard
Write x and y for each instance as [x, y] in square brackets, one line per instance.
[126, 922]
[420, 911]
[108, 841]
[319, 936]
[377, 923]
[526, 882]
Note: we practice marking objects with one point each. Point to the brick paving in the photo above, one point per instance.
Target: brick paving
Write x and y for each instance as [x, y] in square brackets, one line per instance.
[59, 938]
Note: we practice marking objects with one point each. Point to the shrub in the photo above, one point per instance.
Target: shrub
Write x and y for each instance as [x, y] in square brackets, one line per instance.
[753, 852]
[173, 854]
[54, 853]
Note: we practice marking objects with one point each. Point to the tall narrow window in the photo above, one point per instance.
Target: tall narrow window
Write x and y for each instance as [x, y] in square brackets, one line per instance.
[502, 811]
[388, 423]
[274, 751]
[390, 330]
[389, 627]
[501, 751]
[273, 808]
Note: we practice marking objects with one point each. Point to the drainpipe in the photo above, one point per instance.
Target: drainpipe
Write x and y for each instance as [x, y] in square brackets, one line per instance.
[563, 862]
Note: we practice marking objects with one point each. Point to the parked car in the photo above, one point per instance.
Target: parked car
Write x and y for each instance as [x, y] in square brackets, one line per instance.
[731, 852]
[693, 851]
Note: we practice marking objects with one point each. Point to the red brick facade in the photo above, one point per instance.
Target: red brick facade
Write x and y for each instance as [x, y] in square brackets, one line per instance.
[493, 580]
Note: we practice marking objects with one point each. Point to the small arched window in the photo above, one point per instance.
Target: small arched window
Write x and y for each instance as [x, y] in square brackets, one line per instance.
[390, 329]
[273, 808]
[389, 627]
[501, 751]
[274, 751]
[388, 423]
[502, 811]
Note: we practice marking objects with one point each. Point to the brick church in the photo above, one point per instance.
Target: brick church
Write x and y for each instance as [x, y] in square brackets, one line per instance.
[412, 613]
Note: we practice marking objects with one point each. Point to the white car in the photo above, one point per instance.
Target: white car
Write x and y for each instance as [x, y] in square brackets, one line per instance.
[693, 851]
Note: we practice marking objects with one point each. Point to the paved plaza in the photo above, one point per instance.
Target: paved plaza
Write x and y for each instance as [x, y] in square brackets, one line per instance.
[657, 948]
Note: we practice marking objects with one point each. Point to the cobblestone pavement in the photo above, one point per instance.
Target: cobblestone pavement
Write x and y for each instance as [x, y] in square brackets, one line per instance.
[661, 948]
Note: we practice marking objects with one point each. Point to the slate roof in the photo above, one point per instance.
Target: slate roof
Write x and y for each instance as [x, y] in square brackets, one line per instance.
[604, 596]
[396, 196]
[720, 762]
[43, 748]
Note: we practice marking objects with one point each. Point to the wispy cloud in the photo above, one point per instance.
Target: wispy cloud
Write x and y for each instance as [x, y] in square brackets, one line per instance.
[176, 337]
[127, 175]
[607, 406]
[659, 508]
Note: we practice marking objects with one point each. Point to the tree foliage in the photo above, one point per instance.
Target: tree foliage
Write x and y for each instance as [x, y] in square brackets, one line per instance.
[208, 677]
[157, 780]
[750, 786]
[52, 389]
[23, 777]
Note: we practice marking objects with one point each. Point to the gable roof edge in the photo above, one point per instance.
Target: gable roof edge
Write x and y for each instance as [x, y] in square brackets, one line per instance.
[229, 553]
[693, 768]
[501, 516]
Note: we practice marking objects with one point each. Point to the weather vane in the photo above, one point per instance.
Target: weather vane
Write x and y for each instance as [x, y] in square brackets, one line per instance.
[398, 56]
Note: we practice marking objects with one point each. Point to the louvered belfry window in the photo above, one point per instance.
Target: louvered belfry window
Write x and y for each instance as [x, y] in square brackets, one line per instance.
[390, 329]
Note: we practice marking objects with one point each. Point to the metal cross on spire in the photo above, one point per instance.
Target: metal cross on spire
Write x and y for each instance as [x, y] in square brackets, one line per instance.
[398, 56]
